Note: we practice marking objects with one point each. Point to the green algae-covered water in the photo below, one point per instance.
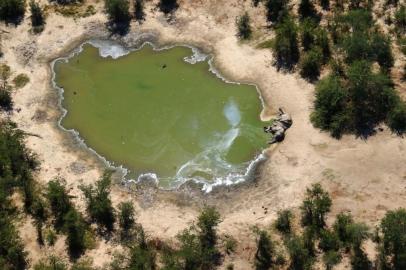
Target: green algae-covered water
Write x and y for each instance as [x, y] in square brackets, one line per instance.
[156, 114]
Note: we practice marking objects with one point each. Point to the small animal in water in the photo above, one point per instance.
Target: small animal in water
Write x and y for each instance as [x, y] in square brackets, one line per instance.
[163, 66]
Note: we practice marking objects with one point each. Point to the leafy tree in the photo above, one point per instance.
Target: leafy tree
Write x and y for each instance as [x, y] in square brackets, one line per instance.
[342, 223]
[37, 17]
[299, 256]
[99, 206]
[244, 27]
[126, 218]
[265, 251]
[307, 33]
[393, 227]
[139, 13]
[118, 14]
[307, 10]
[142, 257]
[207, 222]
[59, 201]
[38, 212]
[189, 252]
[315, 207]
[372, 96]
[277, 10]
[75, 229]
[331, 258]
[359, 260]
[381, 46]
[329, 241]
[400, 20]
[397, 118]
[310, 64]
[6, 103]
[358, 233]
[325, 4]
[322, 41]
[284, 221]
[12, 253]
[167, 6]
[12, 11]
[5, 73]
[286, 49]
[308, 238]
[198, 243]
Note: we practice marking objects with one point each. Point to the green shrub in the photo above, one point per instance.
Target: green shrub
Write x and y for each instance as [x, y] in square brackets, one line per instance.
[12, 11]
[12, 253]
[397, 118]
[400, 20]
[342, 223]
[393, 227]
[322, 41]
[244, 27]
[264, 255]
[299, 256]
[315, 206]
[37, 17]
[168, 6]
[6, 102]
[230, 244]
[142, 256]
[286, 50]
[381, 48]
[284, 221]
[118, 14]
[59, 201]
[372, 96]
[207, 222]
[267, 44]
[139, 10]
[198, 244]
[307, 10]
[331, 258]
[359, 260]
[310, 64]
[51, 263]
[82, 264]
[329, 241]
[126, 218]
[307, 33]
[277, 10]
[98, 203]
[75, 229]
[50, 237]
[21, 80]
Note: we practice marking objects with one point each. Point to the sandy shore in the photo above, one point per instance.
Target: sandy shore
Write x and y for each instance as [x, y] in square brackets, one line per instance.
[366, 177]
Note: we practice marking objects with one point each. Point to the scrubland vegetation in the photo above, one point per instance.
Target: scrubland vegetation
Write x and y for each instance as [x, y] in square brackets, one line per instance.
[357, 93]
[291, 242]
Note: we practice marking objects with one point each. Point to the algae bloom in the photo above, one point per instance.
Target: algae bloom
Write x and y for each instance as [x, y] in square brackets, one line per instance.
[154, 113]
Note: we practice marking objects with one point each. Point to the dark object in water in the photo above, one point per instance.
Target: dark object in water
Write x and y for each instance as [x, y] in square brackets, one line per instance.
[74, 93]
[279, 127]
[163, 66]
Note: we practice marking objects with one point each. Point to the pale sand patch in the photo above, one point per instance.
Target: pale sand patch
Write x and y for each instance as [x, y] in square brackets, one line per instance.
[366, 177]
